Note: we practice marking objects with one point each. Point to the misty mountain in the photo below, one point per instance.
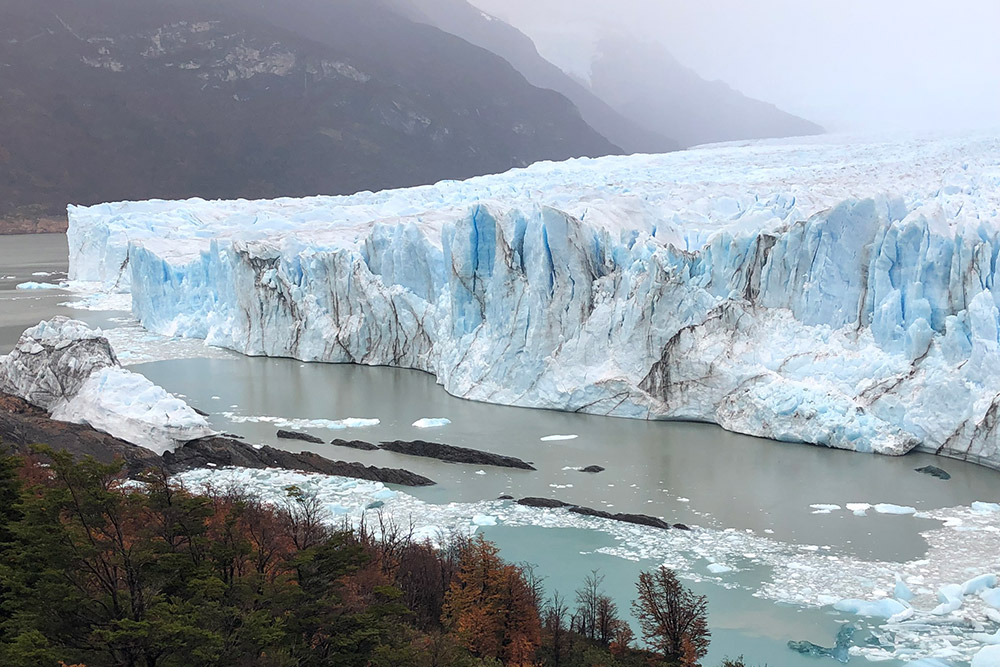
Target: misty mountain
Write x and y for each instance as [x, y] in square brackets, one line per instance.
[462, 19]
[645, 83]
[129, 99]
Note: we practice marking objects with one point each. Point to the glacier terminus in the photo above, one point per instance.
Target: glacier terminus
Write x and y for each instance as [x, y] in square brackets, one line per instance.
[834, 291]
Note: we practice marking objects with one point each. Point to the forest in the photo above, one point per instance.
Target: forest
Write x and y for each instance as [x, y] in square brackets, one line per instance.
[98, 570]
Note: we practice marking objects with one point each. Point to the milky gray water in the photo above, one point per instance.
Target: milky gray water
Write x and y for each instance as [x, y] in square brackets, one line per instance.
[690, 473]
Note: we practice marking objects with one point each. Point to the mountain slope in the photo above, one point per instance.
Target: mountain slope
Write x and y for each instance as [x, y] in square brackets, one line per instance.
[132, 99]
[647, 84]
[462, 19]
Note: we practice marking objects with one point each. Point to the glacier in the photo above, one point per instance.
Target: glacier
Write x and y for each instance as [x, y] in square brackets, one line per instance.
[834, 291]
[71, 371]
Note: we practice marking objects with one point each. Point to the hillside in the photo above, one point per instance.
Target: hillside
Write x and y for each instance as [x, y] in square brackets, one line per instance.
[133, 99]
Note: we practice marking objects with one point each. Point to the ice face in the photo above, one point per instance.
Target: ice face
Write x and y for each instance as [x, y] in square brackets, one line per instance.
[823, 291]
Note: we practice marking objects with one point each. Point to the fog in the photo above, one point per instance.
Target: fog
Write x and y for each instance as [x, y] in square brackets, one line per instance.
[850, 65]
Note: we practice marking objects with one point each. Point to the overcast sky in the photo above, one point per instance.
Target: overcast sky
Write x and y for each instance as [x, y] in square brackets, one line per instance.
[851, 65]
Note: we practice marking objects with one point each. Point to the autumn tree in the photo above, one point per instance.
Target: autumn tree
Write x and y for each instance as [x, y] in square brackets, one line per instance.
[489, 606]
[673, 620]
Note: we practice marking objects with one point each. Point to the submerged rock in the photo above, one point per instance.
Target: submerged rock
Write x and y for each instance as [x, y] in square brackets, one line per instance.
[296, 435]
[452, 454]
[934, 471]
[592, 469]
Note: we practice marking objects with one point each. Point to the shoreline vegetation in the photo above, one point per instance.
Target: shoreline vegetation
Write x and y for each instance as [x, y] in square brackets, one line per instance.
[98, 570]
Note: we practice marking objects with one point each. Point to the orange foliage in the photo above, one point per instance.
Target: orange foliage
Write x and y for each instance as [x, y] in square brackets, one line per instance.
[490, 609]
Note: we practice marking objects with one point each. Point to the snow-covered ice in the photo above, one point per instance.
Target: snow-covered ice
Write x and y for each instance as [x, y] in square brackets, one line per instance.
[819, 290]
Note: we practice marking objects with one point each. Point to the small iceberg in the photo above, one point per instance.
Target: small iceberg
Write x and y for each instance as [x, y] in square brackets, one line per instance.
[555, 438]
[431, 422]
[889, 508]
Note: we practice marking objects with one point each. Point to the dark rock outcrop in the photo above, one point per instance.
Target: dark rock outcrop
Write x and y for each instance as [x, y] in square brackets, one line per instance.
[934, 471]
[505, 497]
[23, 425]
[681, 526]
[592, 469]
[295, 435]
[639, 519]
[355, 444]
[226, 452]
[542, 502]
[452, 454]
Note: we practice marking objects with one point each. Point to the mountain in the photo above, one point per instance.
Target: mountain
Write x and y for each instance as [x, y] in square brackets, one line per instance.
[645, 83]
[133, 99]
[480, 28]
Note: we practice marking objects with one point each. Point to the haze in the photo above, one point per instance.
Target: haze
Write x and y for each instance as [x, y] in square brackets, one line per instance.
[850, 65]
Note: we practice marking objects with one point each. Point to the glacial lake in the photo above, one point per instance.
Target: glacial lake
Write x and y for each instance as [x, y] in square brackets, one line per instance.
[695, 474]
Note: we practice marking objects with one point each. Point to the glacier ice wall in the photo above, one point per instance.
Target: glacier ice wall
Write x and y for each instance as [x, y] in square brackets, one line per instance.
[826, 291]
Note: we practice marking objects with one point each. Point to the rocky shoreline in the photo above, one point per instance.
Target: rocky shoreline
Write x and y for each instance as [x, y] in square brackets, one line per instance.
[12, 226]
[23, 426]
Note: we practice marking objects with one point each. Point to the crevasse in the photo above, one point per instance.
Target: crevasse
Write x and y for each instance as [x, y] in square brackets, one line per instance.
[825, 291]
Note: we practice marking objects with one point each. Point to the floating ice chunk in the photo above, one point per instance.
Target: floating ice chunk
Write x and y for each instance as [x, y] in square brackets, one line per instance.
[300, 424]
[480, 472]
[951, 600]
[37, 286]
[991, 597]
[901, 591]
[484, 520]
[985, 508]
[719, 568]
[889, 508]
[979, 584]
[899, 617]
[110, 301]
[987, 639]
[42, 274]
[886, 608]
[682, 500]
[825, 508]
[431, 422]
[358, 422]
[988, 656]
[573, 468]
[859, 509]
[554, 438]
